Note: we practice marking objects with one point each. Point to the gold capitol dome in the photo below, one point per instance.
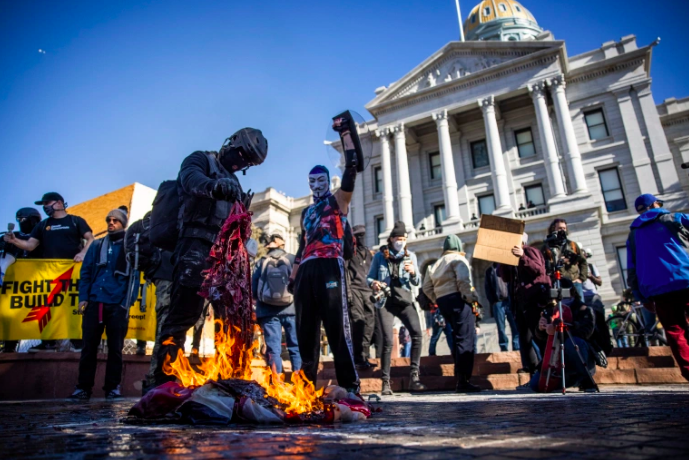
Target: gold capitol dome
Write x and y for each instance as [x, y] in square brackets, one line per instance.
[500, 20]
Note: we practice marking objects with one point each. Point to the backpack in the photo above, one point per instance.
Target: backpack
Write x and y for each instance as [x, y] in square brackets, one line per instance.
[272, 286]
[164, 227]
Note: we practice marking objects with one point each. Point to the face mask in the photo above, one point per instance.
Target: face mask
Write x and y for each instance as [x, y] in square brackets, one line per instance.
[398, 246]
[27, 226]
[49, 210]
[318, 183]
[360, 240]
[232, 160]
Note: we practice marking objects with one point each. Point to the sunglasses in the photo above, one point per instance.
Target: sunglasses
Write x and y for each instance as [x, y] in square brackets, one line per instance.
[111, 219]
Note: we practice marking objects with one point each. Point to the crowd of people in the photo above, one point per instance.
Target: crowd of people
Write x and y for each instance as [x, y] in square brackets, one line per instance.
[336, 283]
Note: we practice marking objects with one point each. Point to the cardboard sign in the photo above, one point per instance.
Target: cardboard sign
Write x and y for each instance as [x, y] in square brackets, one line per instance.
[496, 238]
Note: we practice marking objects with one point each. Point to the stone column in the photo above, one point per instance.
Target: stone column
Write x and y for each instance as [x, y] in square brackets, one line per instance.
[569, 138]
[669, 180]
[403, 184]
[448, 167]
[388, 212]
[637, 147]
[545, 129]
[497, 165]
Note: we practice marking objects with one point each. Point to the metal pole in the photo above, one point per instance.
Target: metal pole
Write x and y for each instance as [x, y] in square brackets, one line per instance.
[459, 19]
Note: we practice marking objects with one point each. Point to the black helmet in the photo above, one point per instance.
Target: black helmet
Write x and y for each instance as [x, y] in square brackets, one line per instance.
[250, 144]
[24, 213]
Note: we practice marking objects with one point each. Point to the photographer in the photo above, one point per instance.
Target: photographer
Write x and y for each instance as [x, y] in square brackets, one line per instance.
[580, 330]
[564, 255]
[530, 289]
[593, 300]
[448, 282]
[393, 271]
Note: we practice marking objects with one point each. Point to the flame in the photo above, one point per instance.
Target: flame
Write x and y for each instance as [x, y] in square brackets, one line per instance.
[298, 394]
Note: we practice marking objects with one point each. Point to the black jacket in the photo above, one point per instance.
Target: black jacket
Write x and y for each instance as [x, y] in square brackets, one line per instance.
[358, 267]
[202, 215]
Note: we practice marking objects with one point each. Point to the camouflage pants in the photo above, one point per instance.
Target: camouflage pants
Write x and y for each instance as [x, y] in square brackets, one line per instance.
[163, 291]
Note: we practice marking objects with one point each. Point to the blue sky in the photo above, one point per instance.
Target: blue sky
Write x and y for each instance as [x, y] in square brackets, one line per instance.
[125, 90]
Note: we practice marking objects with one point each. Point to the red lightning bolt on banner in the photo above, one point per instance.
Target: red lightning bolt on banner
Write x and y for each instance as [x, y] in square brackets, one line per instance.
[41, 313]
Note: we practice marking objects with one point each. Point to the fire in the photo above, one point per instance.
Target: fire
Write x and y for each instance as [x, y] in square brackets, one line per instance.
[298, 394]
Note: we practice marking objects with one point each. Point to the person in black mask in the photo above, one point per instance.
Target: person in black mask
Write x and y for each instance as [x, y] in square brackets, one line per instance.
[61, 236]
[102, 300]
[207, 188]
[361, 307]
[27, 218]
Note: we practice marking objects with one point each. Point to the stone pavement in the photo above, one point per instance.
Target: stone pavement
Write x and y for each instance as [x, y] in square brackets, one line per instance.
[620, 423]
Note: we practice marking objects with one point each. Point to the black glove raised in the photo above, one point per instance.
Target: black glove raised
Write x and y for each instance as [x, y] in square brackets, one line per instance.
[226, 189]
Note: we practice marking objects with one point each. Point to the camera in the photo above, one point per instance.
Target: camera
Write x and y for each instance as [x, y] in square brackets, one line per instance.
[379, 297]
[558, 238]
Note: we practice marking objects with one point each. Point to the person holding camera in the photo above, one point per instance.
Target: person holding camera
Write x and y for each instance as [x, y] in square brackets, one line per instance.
[448, 283]
[393, 272]
[565, 256]
[658, 263]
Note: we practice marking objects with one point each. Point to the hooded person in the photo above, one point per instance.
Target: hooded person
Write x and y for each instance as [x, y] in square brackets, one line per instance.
[103, 295]
[318, 275]
[361, 307]
[394, 271]
[208, 187]
[448, 283]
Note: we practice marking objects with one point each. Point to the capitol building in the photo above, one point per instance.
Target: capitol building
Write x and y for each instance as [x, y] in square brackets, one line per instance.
[507, 123]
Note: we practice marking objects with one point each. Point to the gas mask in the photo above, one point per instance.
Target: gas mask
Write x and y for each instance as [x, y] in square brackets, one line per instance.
[232, 160]
[319, 185]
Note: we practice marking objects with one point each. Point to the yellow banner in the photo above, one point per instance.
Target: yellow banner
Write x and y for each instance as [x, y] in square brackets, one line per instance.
[39, 300]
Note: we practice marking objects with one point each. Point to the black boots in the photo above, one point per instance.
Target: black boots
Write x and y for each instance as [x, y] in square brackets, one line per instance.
[464, 386]
[414, 382]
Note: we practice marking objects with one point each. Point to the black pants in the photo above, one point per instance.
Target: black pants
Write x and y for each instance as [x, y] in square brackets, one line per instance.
[112, 319]
[463, 321]
[186, 306]
[320, 295]
[527, 318]
[363, 322]
[407, 314]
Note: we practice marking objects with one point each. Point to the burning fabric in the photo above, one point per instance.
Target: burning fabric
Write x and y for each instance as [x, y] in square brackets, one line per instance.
[224, 388]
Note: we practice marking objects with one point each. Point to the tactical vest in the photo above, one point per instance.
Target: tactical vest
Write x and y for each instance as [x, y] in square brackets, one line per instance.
[203, 217]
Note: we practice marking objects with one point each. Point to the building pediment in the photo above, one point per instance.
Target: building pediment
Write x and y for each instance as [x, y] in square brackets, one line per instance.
[455, 62]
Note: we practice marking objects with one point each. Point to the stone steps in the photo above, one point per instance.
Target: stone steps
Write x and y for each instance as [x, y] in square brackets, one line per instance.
[498, 371]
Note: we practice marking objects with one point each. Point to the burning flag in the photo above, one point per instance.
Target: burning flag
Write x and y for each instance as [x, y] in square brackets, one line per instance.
[224, 387]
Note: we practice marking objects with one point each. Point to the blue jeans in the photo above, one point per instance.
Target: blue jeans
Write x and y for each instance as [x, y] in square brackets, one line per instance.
[406, 350]
[435, 336]
[272, 332]
[502, 311]
[575, 372]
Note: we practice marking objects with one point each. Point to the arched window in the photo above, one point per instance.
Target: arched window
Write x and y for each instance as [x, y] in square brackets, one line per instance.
[516, 7]
[473, 19]
[503, 7]
[486, 11]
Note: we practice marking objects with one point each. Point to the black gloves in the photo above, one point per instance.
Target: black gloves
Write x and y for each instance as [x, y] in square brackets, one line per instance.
[226, 189]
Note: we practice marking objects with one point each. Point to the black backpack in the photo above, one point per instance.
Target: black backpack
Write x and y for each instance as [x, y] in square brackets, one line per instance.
[164, 229]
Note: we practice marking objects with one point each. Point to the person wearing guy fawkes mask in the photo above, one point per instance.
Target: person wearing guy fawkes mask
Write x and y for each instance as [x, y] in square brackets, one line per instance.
[27, 218]
[396, 268]
[318, 274]
[207, 188]
[559, 251]
[361, 306]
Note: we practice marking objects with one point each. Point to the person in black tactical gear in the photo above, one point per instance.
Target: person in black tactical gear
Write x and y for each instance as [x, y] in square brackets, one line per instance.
[157, 268]
[361, 307]
[27, 218]
[207, 187]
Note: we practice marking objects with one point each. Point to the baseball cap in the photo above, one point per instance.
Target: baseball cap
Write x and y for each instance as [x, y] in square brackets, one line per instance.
[358, 230]
[50, 196]
[645, 201]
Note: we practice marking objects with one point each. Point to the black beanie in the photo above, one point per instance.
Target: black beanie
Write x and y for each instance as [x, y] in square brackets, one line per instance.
[398, 230]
